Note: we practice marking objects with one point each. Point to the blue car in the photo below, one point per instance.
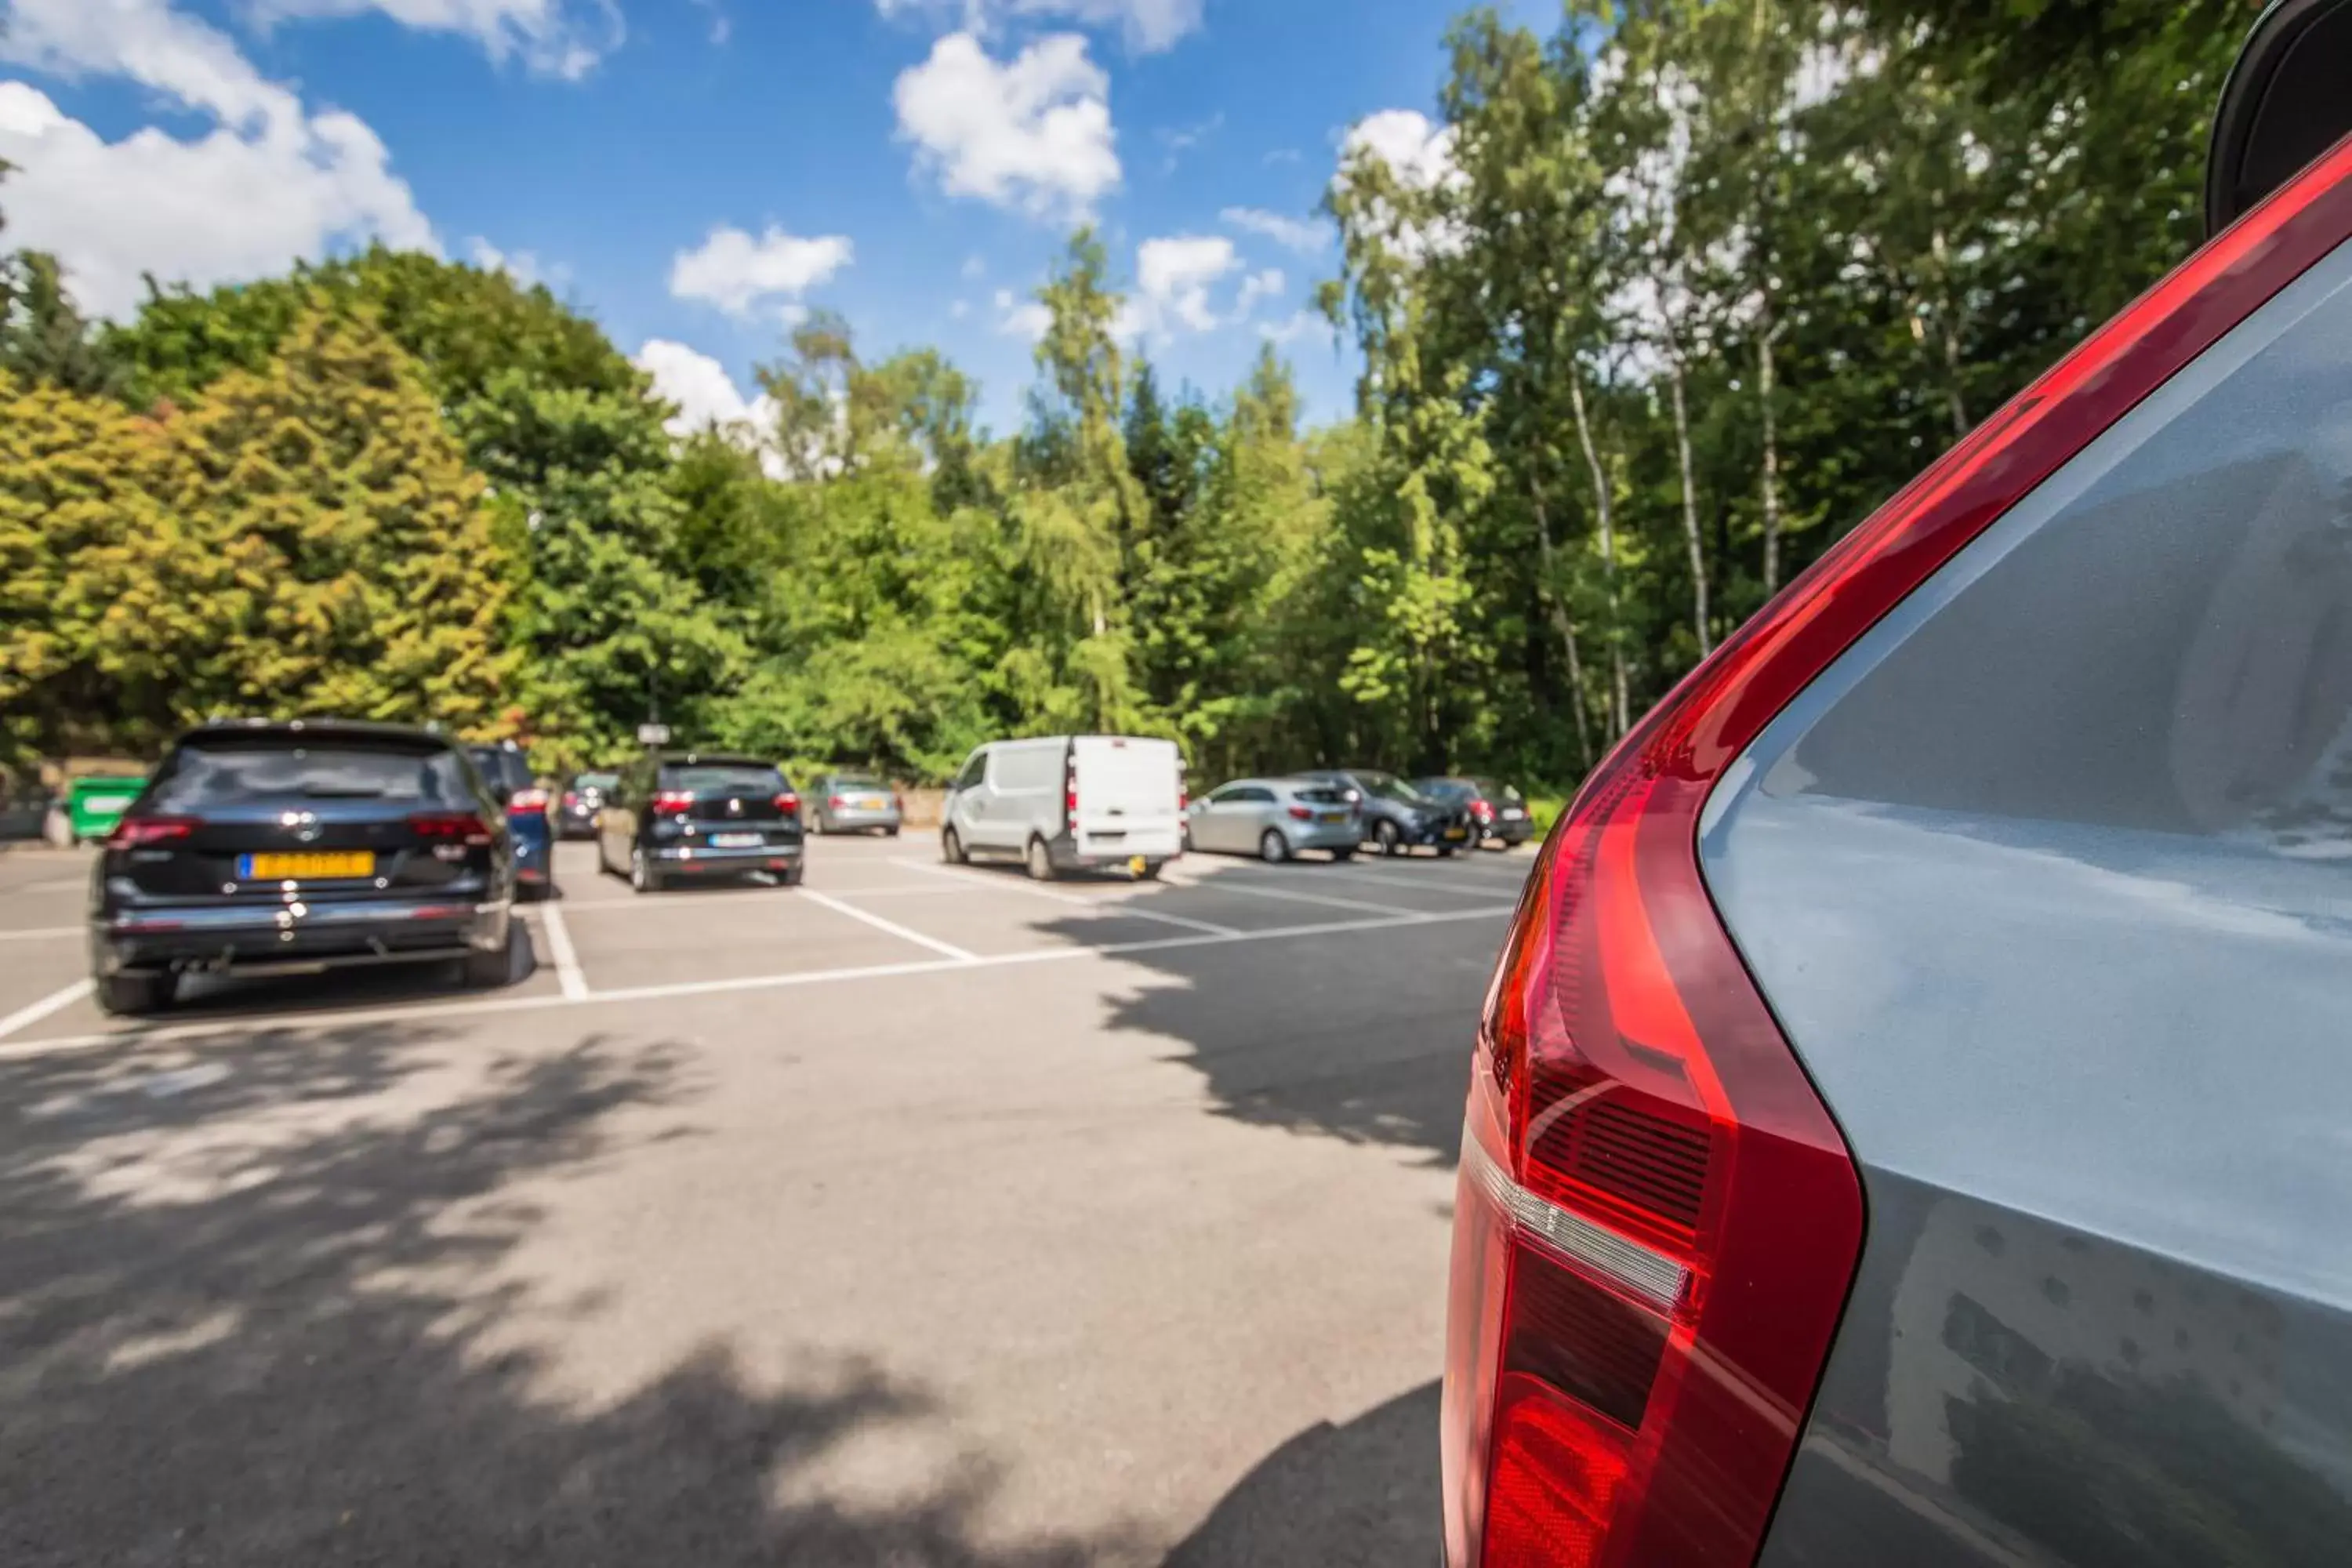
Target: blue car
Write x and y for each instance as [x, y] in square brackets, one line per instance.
[507, 771]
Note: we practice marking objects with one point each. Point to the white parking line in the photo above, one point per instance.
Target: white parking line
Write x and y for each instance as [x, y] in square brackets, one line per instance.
[894, 928]
[166, 1034]
[33, 1012]
[984, 880]
[1233, 884]
[559, 948]
[41, 932]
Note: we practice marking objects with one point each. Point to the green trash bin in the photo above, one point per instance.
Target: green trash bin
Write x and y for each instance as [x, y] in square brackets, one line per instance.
[93, 805]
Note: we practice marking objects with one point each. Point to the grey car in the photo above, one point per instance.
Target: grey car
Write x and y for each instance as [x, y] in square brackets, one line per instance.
[1908, 1121]
[1274, 819]
[854, 803]
[1395, 817]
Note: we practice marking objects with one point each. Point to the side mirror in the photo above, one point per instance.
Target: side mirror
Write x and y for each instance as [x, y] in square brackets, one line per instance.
[2285, 104]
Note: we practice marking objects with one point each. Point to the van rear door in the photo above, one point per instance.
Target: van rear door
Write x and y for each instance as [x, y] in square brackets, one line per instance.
[1128, 795]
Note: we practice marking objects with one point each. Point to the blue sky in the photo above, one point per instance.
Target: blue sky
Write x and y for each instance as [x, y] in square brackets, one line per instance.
[695, 172]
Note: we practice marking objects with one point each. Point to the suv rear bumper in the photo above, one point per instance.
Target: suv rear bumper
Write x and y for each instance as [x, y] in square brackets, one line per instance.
[701, 861]
[256, 939]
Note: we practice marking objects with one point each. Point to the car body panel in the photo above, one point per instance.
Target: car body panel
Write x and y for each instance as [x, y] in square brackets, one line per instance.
[2045, 880]
[1420, 822]
[573, 811]
[1130, 789]
[507, 773]
[852, 802]
[1505, 819]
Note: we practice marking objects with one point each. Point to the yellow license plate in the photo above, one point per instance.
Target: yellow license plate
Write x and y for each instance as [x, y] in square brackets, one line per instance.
[870, 803]
[1457, 833]
[317, 864]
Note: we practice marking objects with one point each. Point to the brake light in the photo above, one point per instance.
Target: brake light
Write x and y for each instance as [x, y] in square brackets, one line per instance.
[571, 800]
[1070, 792]
[1482, 811]
[135, 832]
[450, 828]
[678, 800]
[790, 804]
[1657, 1219]
[832, 802]
[528, 800]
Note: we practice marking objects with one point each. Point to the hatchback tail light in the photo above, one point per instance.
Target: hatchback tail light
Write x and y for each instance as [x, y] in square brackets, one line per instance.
[450, 828]
[528, 800]
[1482, 811]
[679, 800]
[832, 802]
[1302, 814]
[571, 800]
[136, 832]
[790, 804]
[1657, 1220]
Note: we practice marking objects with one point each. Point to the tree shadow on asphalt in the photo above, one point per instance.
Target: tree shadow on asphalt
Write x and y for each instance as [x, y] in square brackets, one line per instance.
[1364, 1492]
[1362, 1036]
[251, 1309]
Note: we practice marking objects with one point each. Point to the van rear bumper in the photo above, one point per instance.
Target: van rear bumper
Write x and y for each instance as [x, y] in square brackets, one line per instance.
[1117, 848]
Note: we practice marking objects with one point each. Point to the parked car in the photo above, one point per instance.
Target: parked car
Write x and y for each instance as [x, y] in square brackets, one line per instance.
[507, 771]
[1274, 819]
[1498, 813]
[1068, 802]
[678, 817]
[573, 812]
[1394, 817]
[1907, 1124]
[854, 803]
[265, 847]
[94, 803]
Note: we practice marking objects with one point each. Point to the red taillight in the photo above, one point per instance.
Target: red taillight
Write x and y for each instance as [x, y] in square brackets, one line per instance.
[1657, 1219]
[133, 832]
[528, 800]
[679, 800]
[450, 828]
[571, 800]
[790, 804]
[832, 802]
[1482, 811]
[1302, 814]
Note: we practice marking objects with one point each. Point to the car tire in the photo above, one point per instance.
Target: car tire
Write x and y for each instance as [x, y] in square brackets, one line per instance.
[1150, 872]
[1444, 851]
[789, 877]
[489, 971]
[952, 848]
[128, 996]
[1272, 848]
[889, 832]
[643, 877]
[1342, 856]
[1389, 837]
[1040, 861]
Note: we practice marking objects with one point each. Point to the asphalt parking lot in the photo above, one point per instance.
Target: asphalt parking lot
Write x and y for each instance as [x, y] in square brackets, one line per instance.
[917, 1215]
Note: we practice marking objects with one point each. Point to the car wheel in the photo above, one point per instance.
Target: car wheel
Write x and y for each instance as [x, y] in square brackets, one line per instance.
[127, 996]
[1272, 848]
[1150, 872]
[889, 832]
[643, 877]
[1446, 852]
[1389, 838]
[486, 971]
[1040, 861]
[952, 848]
[789, 877]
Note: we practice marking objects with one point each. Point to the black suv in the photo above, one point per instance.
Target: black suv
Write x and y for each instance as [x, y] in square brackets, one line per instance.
[1395, 815]
[275, 847]
[676, 815]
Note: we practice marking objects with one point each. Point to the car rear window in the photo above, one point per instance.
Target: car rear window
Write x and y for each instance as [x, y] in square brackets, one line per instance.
[858, 780]
[1500, 792]
[596, 781]
[704, 777]
[1322, 795]
[200, 777]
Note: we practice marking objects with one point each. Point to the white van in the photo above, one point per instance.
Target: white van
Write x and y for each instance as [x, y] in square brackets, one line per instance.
[1065, 801]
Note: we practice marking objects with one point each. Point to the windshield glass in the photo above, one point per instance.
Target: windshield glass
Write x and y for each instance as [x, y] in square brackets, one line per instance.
[1388, 786]
[200, 777]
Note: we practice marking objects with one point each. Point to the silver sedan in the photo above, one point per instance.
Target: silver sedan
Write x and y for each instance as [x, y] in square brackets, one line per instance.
[1274, 819]
[853, 802]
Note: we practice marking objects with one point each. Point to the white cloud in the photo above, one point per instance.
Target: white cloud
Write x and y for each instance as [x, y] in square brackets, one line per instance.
[218, 208]
[149, 43]
[557, 37]
[1265, 285]
[1305, 236]
[739, 273]
[707, 398]
[1300, 324]
[1147, 26]
[975, 265]
[1173, 276]
[1418, 152]
[1017, 318]
[522, 266]
[1034, 135]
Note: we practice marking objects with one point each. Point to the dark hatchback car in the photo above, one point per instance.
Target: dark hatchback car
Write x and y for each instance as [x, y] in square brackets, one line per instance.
[507, 773]
[1908, 1124]
[271, 848]
[573, 813]
[692, 815]
[1498, 813]
[1397, 817]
